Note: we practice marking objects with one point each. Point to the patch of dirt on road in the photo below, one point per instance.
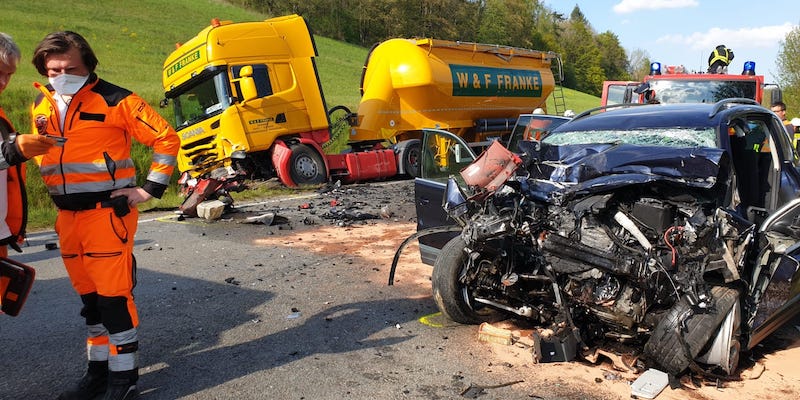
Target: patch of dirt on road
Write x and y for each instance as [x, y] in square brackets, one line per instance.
[370, 221]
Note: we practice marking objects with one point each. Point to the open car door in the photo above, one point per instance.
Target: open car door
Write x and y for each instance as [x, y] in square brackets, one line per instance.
[443, 155]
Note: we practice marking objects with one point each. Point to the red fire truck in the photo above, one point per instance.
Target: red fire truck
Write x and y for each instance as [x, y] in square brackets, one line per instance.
[673, 84]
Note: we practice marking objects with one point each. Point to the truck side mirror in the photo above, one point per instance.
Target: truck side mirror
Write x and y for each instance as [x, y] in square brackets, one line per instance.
[247, 84]
[776, 95]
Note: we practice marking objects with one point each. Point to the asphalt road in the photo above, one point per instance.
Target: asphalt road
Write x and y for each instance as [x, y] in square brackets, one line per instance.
[226, 316]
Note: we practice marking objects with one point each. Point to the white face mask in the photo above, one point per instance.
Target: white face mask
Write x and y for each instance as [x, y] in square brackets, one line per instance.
[67, 84]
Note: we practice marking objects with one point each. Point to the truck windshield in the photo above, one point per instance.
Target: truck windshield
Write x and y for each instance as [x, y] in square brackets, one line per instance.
[207, 98]
[701, 91]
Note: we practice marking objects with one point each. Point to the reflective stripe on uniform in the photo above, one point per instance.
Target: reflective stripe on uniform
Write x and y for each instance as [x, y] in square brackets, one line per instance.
[97, 343]
[123, 350]
[83, 168]
[102, 186]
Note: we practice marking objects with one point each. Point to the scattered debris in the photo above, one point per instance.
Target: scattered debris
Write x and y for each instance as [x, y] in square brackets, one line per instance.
[232, 281]
[51, 245]
[348, 214]
[268, 219]
[295, 314]
[620, 362]
[754, 372]
[611, 376]
[489, 333]
[649, 384]
[554, 348]
[473, 391]
[211, 209]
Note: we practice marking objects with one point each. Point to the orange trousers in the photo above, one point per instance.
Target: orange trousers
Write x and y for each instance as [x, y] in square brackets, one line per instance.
[97, 250]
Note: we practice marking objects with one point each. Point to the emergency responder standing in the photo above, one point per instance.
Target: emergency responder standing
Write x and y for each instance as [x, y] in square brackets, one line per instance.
[14, 151]
[719, 59]
[92, 181]
[779, 108]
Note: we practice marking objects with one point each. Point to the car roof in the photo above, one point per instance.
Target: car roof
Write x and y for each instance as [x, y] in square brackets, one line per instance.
[692, 115]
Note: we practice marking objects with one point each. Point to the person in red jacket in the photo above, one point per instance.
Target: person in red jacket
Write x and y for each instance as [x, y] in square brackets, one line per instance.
[92, 182]
[14, 151]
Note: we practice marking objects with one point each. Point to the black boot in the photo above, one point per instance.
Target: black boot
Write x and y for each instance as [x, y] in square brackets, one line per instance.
[92, 383]
[122, 385]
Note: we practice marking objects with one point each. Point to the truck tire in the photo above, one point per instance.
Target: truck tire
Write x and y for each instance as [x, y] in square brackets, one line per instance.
[665, 347]
[452, 297]
[412, 156]
[306, 166]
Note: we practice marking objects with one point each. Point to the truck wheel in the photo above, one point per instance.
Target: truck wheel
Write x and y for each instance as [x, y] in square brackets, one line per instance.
[411, 159]
[666, 345]
[306, 166]
[453, 298]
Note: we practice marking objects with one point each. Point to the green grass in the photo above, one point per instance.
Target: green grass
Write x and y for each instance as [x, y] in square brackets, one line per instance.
[131, 40]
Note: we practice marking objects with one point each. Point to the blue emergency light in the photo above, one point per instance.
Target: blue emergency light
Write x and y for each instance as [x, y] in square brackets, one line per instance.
[655, 68]
[749, 68]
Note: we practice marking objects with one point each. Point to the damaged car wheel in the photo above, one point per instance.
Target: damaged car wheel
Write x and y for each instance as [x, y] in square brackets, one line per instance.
[453, 297]
[684, 332]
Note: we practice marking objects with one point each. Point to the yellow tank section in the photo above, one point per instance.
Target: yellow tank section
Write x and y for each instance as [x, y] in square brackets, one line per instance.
[410, 84]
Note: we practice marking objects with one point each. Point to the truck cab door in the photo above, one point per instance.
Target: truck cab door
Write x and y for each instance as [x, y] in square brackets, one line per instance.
[619, 92]
[271, 112]
[443, 154]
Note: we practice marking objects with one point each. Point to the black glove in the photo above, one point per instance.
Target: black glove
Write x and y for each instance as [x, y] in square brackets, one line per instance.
[11, 241]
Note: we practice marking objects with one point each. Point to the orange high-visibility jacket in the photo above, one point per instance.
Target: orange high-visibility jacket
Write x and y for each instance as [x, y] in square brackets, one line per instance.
[99, 123]
[17, 216]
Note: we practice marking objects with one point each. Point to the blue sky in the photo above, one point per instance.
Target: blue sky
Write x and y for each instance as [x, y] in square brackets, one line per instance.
[685, 32]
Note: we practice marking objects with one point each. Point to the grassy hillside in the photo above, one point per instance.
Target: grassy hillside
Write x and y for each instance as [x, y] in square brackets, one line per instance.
[130, 37]
[133, 37]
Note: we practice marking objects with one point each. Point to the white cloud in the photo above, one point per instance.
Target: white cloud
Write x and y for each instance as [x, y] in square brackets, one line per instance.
[743, 38]
[629, 6]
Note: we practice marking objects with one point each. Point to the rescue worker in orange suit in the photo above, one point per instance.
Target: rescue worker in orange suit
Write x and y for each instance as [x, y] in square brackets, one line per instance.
[92, 181]
[14, 151]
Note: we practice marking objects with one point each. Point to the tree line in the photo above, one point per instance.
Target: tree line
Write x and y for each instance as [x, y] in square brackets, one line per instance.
[588, 57]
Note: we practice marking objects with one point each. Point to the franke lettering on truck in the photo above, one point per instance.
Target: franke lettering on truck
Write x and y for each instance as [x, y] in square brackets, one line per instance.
[504, 82]
[188, 59]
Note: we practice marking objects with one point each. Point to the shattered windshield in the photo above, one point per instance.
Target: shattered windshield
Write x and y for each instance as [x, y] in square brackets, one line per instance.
[667, 137]
[205, 99]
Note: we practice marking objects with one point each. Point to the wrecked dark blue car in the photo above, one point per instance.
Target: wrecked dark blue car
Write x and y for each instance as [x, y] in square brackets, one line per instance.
[671, 230]
[757, 147]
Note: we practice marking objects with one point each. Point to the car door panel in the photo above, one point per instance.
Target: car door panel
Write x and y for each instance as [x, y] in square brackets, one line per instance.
[443, 155]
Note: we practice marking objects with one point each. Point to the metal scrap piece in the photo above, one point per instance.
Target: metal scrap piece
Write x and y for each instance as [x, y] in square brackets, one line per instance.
[473, 391]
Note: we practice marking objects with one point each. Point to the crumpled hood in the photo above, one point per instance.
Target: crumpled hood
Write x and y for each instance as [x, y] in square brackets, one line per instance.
[583, 169]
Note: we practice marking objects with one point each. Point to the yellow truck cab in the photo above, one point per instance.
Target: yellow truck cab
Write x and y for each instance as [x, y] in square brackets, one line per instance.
[215, 115]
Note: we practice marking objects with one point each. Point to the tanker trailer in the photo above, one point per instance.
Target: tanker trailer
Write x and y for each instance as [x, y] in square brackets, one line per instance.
[473, 90]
